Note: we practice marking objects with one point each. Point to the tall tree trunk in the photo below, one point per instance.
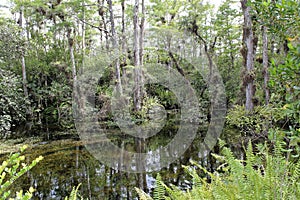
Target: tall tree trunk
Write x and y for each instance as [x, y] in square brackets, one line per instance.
[123, 28]
[24, 75]
[115, 45]
[142, 30]
[138, 89]
[124, 44]
[83, 34]
[102, 23]
[141, 51]
[266, 64]
[72, 57]
[248, 54]
[136, 59]
[136, 34]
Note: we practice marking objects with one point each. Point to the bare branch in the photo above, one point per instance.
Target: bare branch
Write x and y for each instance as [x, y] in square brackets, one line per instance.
[93, 26]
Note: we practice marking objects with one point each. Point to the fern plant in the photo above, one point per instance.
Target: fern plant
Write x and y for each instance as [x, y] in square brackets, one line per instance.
[265, 174]
[74, 194]
[12, 169]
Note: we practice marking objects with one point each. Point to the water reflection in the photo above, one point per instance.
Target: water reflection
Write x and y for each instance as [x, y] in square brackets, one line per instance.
[67, 163]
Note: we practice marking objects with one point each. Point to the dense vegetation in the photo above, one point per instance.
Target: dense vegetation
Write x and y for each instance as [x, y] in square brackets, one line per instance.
[45, 45]
[262, 175]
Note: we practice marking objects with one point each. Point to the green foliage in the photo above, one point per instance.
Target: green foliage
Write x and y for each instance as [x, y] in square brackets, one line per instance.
[166, 97]
[159, 190]
[61, 110]
[12, 102]
[12, 169]
[282, 17]
[142, 195]
[43, 43]
[285, 85]
[158, 193]
[264, 174]
[165, 17]
[74, 194]
[149, 103]
[250, 123]
[11, 44]
[227, 48]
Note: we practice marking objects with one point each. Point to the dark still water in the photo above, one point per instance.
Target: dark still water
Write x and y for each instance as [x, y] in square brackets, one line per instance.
[67, 163]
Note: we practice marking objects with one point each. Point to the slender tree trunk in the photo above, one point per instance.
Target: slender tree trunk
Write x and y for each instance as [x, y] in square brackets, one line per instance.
[208, 51]
[136, 59]
[71, 49]
[138, 89]
[141, 51]
[24, 75]
[136, 34]
[100, 13]
[248, 54]
[266, 64]
[115, 45]
[88, 181]
[102, 23]
[142, 32]
[231, 52]
[123, 28]
[124, 44]
[83, 35]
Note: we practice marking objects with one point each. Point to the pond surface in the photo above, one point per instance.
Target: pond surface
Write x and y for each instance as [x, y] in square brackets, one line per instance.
[68, 163]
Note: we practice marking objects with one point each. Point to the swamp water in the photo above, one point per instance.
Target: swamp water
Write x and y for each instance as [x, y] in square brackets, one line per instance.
[67, 163]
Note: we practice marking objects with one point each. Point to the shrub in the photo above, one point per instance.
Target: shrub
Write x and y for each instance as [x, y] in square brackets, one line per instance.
[12, 102]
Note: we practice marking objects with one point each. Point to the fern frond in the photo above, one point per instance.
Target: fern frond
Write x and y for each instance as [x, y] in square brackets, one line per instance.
[159, 191]
[142, 195]
[250, 155]
[74, 194]
[202, 168]
[262, 175]
[235, 165]
[175, 193]
[196, 180]
[296, 173]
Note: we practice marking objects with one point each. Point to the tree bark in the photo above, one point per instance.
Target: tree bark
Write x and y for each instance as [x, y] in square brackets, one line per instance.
[24, 75]
[136, 59]
[248, 54]
[83, 35]
[72, 57]
[115, 45]
[266, 64]
[123, 27]
[142, 30]
[102, 24]
[124, 51]
[138, 89]
[208, 49]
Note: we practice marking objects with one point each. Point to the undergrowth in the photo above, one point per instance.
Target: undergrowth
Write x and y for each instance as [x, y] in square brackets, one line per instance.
[264, 174]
